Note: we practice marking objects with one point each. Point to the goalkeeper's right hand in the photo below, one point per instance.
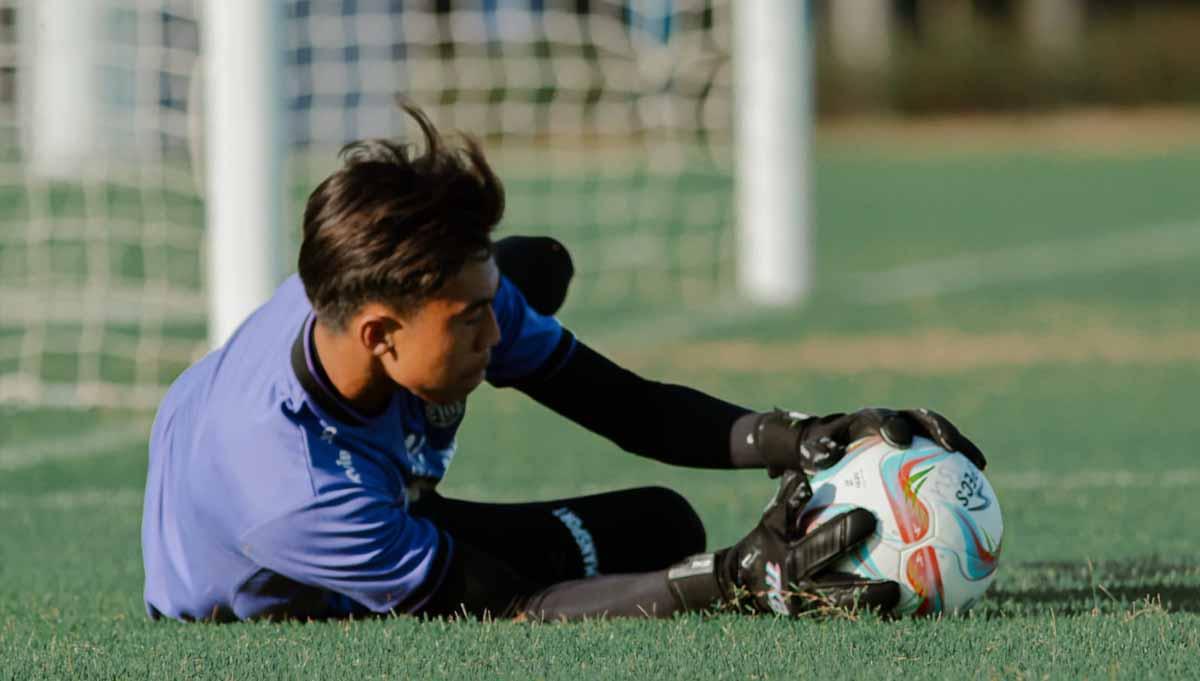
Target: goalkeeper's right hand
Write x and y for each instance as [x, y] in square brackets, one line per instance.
[779, 568]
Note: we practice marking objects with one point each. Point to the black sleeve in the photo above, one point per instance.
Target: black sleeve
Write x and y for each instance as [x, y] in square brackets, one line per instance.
[671, 423]
[479, 585]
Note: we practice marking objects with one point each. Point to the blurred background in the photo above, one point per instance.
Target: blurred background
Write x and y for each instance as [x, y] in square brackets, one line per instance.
[990, 208]
[612, 123]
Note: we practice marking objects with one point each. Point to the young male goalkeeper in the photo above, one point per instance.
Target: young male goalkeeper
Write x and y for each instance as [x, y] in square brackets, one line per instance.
[293, 471]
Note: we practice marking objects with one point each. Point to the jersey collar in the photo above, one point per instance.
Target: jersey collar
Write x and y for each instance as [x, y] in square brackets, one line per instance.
[314, 380]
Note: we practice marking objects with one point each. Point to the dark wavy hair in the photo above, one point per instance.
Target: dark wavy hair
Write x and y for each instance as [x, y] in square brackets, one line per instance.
[392, 226]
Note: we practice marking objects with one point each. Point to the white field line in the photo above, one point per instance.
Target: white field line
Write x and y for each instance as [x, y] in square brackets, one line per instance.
[70, 500]
[724, 312]
[1016, 481]
[1033, 481]
[115, 304]
[19, 455]
[1132, 249]
[130, 498]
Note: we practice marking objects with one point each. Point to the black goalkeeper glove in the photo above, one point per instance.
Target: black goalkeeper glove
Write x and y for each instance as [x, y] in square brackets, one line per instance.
[794, 441]
[778, 568]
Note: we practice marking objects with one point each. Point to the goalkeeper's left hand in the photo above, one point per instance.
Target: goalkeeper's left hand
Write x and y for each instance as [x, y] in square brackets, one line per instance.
[783, 567]
[794, 441]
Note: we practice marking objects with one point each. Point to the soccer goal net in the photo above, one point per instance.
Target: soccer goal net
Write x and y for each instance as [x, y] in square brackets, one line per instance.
[609, 121]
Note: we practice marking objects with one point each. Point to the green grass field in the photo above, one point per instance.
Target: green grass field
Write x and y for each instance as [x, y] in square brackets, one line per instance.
[1047, 303]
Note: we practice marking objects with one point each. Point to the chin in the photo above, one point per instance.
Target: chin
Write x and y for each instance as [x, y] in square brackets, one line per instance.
[470, 387]
[451, 395]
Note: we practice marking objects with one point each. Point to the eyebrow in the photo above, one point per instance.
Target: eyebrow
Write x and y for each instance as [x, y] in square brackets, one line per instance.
[478, 303]
[475, 306]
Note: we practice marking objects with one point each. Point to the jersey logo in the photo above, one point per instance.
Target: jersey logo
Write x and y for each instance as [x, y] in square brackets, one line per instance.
[328, 432]
[445, 415]
[415, 446]
[414, 443]
[347, 463]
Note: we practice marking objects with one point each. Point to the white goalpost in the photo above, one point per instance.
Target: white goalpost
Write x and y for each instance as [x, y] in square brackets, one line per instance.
[773, 128]
[244, 157]
[771, 137]
[664, 141]
[61, 85]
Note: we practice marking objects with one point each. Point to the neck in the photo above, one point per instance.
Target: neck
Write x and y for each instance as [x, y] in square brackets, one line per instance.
[353, 372]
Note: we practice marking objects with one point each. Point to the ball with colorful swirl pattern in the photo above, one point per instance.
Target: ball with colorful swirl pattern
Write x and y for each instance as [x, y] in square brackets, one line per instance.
[940, 526]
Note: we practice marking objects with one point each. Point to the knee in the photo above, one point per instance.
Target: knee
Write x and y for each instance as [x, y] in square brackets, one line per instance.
[539, 266]
[682, 531]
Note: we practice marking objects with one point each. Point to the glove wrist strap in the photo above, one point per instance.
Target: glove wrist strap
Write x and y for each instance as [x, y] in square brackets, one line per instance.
[694, 581]
[777, 439]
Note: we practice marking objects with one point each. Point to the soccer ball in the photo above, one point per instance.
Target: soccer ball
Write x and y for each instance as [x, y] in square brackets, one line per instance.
[939, 525]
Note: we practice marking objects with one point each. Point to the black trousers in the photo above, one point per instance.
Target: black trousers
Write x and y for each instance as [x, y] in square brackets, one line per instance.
[547, 542]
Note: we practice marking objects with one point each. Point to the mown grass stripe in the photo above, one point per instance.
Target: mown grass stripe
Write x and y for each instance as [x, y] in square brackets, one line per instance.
[89, 497]
[90, 444]
[73, 500]
[1135, 248]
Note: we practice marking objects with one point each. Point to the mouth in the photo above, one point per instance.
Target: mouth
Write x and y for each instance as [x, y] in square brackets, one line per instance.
[482, 369]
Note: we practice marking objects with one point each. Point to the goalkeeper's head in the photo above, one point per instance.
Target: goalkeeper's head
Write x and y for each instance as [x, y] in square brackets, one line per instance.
[397, 262]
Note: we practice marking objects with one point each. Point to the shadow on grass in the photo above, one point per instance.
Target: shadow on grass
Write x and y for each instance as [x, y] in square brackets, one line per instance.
[1080, 587]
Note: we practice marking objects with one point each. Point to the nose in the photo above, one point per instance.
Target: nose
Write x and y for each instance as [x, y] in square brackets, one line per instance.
[491, 334]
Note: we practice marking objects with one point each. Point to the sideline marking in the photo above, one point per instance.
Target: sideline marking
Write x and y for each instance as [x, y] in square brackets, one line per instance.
[91, 444]
[1136, 247]
[70, 500]
[128, 498]
[1126, 250]
[936, 351]
[1032, 481]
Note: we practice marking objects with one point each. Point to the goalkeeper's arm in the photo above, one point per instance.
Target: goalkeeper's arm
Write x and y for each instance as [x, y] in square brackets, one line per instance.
[683, 426]
[671, 423]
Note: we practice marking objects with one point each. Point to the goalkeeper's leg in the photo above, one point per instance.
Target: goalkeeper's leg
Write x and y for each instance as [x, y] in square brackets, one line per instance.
[509, 559]
[634, 530]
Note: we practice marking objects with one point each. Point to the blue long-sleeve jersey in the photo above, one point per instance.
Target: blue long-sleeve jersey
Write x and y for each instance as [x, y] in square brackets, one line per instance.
[261, 501]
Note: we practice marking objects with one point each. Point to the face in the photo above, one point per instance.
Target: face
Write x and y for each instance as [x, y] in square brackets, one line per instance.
[441, 350]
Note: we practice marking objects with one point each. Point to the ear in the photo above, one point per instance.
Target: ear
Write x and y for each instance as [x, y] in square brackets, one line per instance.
[375, 333]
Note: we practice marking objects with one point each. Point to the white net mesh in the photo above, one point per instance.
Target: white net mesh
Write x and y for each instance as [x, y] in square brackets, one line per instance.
[100, 286]
[608, 121]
